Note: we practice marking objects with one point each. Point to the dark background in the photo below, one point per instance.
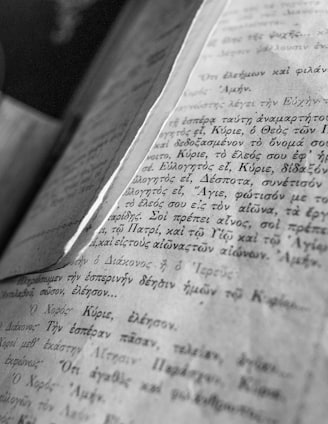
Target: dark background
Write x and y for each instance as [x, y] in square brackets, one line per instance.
[39, 71]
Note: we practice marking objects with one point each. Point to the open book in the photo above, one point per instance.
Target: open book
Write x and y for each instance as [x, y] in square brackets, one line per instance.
[173, 266]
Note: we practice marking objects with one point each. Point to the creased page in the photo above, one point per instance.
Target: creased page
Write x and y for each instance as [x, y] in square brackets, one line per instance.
[145, 57]
[26, 139]
[203, 297]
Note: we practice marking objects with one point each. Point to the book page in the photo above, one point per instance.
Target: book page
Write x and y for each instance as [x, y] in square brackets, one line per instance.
[74, 190]
[147, 134]
[203, 297]
[26, 139]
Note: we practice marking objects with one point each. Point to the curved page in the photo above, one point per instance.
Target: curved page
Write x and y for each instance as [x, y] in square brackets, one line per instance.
[203, 298]
[75, 189]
